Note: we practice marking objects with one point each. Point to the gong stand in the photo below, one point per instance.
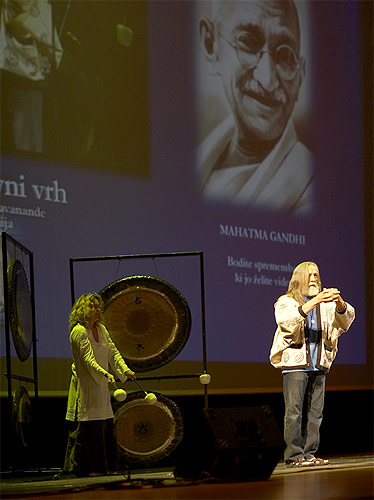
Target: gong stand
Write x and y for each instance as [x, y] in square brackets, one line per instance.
[13, 305]
[152, 256]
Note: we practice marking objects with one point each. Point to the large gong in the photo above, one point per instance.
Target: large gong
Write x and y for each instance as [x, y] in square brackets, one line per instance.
[147, 433]
[148, 319]
[22, 417]
[19, 309]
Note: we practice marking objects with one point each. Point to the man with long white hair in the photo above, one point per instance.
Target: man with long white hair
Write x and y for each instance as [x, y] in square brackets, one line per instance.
[309, 322]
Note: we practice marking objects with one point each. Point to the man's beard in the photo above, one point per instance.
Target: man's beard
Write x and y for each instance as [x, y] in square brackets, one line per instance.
[313, 290]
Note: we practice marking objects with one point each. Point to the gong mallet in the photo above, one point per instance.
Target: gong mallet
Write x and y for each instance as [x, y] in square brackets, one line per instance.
[149, 396]
[119, 394]
[205, 378]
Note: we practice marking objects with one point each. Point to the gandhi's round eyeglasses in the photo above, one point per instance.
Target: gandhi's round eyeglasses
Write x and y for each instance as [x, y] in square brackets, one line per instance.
[249, 53]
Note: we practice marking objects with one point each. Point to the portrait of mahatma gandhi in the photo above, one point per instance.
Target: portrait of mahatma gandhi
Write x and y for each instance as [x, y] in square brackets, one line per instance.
[251, 49]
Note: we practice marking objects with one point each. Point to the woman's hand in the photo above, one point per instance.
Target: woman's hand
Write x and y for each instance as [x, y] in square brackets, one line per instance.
[130, 374]
[110, 378]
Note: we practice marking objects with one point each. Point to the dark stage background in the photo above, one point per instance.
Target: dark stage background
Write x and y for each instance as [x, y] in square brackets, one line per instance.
[347, 427]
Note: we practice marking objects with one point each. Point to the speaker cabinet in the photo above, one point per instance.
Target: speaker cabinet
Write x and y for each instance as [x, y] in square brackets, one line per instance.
[238, 444]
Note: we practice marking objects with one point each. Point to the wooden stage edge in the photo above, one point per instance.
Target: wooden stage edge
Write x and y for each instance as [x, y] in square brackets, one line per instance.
[345, 477]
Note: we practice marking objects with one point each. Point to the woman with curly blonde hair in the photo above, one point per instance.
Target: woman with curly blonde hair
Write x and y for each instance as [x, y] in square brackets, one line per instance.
[92, 448]
[82, 309]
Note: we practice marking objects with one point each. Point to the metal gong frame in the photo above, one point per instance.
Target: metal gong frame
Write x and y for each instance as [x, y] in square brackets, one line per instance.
[200, 255]
[5, 240]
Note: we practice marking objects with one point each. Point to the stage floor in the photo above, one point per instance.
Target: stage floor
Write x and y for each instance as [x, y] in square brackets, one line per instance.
[347, 477]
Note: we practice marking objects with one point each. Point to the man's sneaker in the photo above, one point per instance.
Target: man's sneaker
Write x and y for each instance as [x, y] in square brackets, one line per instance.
[297, 463]
[317, 461]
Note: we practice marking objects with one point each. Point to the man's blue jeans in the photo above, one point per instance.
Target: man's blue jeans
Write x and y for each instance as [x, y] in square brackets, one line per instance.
[304, 394]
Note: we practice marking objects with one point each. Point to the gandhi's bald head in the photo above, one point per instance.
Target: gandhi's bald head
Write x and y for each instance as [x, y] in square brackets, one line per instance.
[221, 9]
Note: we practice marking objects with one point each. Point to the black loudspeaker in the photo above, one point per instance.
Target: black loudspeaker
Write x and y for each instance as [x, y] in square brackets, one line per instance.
[237, 444]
